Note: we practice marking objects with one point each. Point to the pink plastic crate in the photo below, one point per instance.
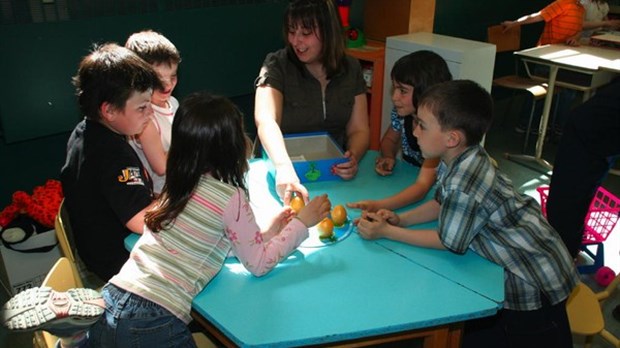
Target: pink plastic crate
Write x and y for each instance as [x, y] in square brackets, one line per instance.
[601, 218]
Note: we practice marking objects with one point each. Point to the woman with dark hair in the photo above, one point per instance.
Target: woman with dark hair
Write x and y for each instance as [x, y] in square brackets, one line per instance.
[310, 86]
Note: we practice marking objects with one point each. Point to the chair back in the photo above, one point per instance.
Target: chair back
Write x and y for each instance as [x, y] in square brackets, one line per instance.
[62, 277]
[504, 41]
[584, 311]
[64, 233]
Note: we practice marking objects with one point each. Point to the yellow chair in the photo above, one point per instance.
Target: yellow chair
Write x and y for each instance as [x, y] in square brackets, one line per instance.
[585, 314]
[511, 41]
[64, 234]
[202, 341]
[65, 241]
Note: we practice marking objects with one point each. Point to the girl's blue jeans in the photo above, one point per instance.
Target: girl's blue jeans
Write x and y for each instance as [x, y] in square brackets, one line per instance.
[131, 321]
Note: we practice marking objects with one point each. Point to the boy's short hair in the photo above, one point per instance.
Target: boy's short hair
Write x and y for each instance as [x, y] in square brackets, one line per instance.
[153, 47]
[460, 105]
[111, 73]
[420, 69]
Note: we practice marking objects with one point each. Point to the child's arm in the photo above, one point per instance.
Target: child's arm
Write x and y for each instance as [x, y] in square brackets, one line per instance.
[411, 194]
[604, 23]
[531, 18]
[260, 253]
[310, 215]
[385, 224]
[384, 164]
[153, 148]
[136, 223]
[426, 212]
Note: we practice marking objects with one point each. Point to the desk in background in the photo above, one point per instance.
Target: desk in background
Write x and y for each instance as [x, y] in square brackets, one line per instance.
[354, 291]
[596, 65]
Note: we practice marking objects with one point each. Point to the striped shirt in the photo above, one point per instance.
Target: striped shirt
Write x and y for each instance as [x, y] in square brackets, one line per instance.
[172, 266]
[481, 211]
[563, 19]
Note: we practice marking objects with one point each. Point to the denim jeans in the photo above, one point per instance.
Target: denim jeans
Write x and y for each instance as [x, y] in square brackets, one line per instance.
[132, 321]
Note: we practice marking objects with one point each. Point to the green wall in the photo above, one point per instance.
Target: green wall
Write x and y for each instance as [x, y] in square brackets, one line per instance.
[222, 49]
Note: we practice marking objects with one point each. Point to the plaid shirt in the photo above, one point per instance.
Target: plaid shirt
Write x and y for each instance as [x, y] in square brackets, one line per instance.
[480, 210]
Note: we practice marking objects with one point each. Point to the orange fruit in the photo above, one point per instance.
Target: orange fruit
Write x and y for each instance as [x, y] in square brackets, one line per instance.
[326, 228]
[297, 203]
[339, 215]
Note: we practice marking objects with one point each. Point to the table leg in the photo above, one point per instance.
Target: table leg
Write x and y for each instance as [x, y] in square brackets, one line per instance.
[542, 127]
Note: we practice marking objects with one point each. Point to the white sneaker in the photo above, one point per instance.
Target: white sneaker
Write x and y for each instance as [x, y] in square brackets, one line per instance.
[59, 313]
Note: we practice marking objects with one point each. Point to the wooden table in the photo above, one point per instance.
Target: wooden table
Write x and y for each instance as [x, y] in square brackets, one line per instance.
[351, 293]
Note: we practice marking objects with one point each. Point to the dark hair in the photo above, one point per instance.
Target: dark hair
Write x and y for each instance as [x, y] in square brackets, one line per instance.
[322, 18]
[420, 69]
[460, 105]
[207, 137]
[111, 73]
[153, 47]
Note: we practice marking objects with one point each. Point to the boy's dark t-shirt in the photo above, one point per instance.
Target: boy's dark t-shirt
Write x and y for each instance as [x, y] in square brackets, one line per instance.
[105, 185]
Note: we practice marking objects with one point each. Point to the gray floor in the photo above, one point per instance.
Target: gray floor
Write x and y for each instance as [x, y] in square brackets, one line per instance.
[501, 139]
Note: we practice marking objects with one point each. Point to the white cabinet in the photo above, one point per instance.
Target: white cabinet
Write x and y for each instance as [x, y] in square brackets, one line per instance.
[466, 59]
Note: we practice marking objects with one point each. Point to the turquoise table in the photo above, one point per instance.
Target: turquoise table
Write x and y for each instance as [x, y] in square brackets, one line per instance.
[351, 292]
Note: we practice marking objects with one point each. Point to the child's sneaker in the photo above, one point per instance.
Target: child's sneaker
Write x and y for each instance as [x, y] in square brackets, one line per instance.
[59, 313]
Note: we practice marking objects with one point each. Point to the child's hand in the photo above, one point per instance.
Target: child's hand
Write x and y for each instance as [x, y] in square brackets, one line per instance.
[391, 217]
[368, 205]
[282, 218]
[384, 165]
[612, 23]
[507, 25]
[371, 225]
[315, 211]
[346, 170]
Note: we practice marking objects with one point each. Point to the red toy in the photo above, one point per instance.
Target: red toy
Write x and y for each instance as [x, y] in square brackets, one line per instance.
[604, 276]
[354, 36]
[42, 206]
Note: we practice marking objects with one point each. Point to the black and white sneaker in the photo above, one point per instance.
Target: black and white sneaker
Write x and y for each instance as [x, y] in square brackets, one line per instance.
[59, 313]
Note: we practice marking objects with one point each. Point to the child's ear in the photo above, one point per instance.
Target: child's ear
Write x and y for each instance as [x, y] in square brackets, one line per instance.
[455, 138]
[107, 111]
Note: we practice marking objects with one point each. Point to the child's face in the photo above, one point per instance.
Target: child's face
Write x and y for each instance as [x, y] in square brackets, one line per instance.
[133, 117]
[306, 43]
[168, 76]
[431, 138]
[402, 97]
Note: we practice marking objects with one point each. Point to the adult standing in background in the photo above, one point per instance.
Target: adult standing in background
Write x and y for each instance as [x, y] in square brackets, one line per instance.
[589, 147]
[311, 85]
